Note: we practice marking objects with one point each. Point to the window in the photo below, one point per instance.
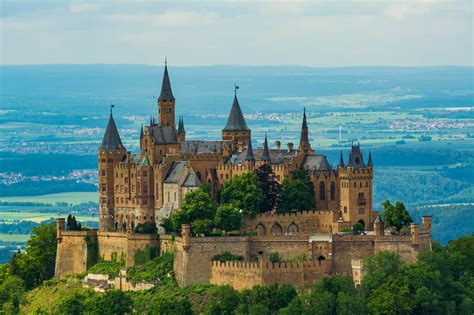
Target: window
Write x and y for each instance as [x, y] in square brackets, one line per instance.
[175, 197]
[366, 184]
[333, 191]
[345, 209]
[103, 172]
[145, 202]
[168, 196]
[104, 187]
[355, 185]
[145, 173]
[360, 185]
[322, 191]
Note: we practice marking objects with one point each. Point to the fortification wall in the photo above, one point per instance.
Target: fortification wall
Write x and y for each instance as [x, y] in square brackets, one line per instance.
[345, 248]
[192, 263]
[72, 252]
[239, 275]
[287, 246]
[167, 244]
[400, 244]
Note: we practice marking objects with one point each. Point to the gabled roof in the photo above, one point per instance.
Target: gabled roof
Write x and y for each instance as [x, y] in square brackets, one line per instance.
[236, 120]
[111, 139]
[277, 156]
[316, 163]
[201, 146]
[166, 92]
[163, 134]
[175, 172]
[191, 180]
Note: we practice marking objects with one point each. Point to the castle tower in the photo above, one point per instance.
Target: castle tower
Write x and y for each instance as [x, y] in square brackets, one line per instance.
[166, 102]
[355, 186]
[181, 132]
[379, 226]
[144, 197]
[266, 154]
[110, 151]
[304, 140]
[236, 128]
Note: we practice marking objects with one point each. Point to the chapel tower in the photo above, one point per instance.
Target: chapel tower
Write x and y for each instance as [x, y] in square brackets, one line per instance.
[166, 102]
[236, 128]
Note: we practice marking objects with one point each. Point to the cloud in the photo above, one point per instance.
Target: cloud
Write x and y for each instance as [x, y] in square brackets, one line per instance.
[170, 18]
[402, 9]
[84, 7]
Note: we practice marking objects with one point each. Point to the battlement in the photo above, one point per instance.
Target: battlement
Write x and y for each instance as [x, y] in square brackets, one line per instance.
[294, 214]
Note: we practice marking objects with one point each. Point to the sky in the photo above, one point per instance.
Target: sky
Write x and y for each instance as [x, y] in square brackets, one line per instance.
[324, 33]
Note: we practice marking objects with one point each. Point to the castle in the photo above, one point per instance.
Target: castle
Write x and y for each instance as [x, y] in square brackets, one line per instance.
[149, 186]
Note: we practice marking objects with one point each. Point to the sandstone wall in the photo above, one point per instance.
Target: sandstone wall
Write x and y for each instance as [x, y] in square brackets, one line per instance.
[345, 248]
[72, 252]
[402, 245]
[287, 246]
[239, 275]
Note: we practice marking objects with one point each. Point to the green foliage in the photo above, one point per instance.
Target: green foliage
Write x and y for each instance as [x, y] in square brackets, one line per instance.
[243, 193]
[396, 215]
[107, 267]
[295, 196]
[357, 228]
[303, 175]
[146, 228]
[228, 218]
[92, 251]
[145, 255]
[158, 270]
[111, 302]
[196, 205]
[267, 181]
[202, 226]
[275, 257]
[226, 256]
[167, 224]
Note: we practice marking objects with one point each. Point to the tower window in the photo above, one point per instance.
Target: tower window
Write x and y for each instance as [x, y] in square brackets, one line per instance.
[333, 191]
[355, 185]
[322, 191]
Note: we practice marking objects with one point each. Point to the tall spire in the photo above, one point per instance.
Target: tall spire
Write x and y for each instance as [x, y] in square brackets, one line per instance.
[111, 139]
[141, 132]
[341, 160]
[181, 125]
[369, 163]
[249, 156]
[236, 120]
[166, 92]
[304, 140]
[266, 153]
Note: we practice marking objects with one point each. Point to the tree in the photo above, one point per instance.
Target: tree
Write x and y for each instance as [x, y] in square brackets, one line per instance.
[303, 175]
[111, 302]
[275, 257]
[269, 186]
[378, 268]
[295, 196]
[396, 215]
[197, 205]
[146, 228]
[228, 218]
[357, 228]
[202, 226]
[244, 193]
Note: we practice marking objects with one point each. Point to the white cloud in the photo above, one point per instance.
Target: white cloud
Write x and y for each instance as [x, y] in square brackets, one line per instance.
[84, 7]
[168, 19]
[402, 9]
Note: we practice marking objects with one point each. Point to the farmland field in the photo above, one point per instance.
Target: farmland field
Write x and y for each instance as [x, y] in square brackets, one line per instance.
[14, 238]
[68, 197]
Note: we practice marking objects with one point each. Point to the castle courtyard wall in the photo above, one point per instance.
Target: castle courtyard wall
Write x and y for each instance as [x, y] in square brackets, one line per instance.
[72, 253]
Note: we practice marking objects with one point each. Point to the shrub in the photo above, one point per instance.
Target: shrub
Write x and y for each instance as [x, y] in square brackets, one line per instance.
[275, 257]
[226, 256]
[146, 228]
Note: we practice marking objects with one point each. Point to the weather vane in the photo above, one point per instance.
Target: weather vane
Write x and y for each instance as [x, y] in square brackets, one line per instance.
[236, 87]
[111, 106]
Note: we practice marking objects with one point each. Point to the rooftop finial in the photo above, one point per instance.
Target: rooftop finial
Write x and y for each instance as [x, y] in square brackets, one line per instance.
[111, 106]
[236, 87]
[166, 61]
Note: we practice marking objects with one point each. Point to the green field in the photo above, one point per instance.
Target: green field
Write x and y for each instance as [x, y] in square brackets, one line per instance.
[69, 197]
[39, 217]
[14, 238]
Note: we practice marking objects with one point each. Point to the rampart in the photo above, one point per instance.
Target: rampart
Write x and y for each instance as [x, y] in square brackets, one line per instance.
[76, 252]
[243, 275]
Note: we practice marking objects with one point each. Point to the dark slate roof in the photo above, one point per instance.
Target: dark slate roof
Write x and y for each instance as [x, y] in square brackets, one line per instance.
[341, 160]
[181, 125]
[356, 160]
[175, 172]
[200, 147]
[191, 180]
[249, 155]
[370, 159]
[163, 134]
[236, 120]
[111, 140]
[276, 156]
[166, 93]
[316, 163]
[265, 153]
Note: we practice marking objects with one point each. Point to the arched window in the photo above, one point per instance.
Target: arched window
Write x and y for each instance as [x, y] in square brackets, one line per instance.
[360, 185]
[345, 209]
[293, 229]
[355, 185]
[276, 229]
[333, 191]
[261, 230]
[322, 191]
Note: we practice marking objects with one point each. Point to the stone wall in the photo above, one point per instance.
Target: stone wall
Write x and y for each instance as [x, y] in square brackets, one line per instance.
[287, 246]
[346, 248]
[72, 253]
[243, 275]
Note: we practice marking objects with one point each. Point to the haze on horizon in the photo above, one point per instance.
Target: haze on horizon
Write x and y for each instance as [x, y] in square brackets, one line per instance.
[312, 33]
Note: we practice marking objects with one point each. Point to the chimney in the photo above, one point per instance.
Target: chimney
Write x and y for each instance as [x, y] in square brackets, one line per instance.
[277, 144]
[290, 146]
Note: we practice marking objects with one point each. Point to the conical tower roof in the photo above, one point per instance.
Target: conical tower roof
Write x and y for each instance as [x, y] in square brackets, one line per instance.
[341, 160]
[249, 156]
[181, 125]
[236, 120]
[266, 153]
[111, 140]
[369, 163]
[166, 92]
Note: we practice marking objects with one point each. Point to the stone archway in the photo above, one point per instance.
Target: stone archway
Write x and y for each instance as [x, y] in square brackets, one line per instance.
[261, 229]
[362, 222]
[277, 229]
[293, 229]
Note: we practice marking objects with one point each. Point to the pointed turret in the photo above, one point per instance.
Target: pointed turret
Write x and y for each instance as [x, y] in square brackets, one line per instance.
[369, 163]
[266, 153]
[181, 125]
[141, 132]
[166, 93]
[249, 156]
[111, 140]
[304, 140]
[236, 120]
[341, 160]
